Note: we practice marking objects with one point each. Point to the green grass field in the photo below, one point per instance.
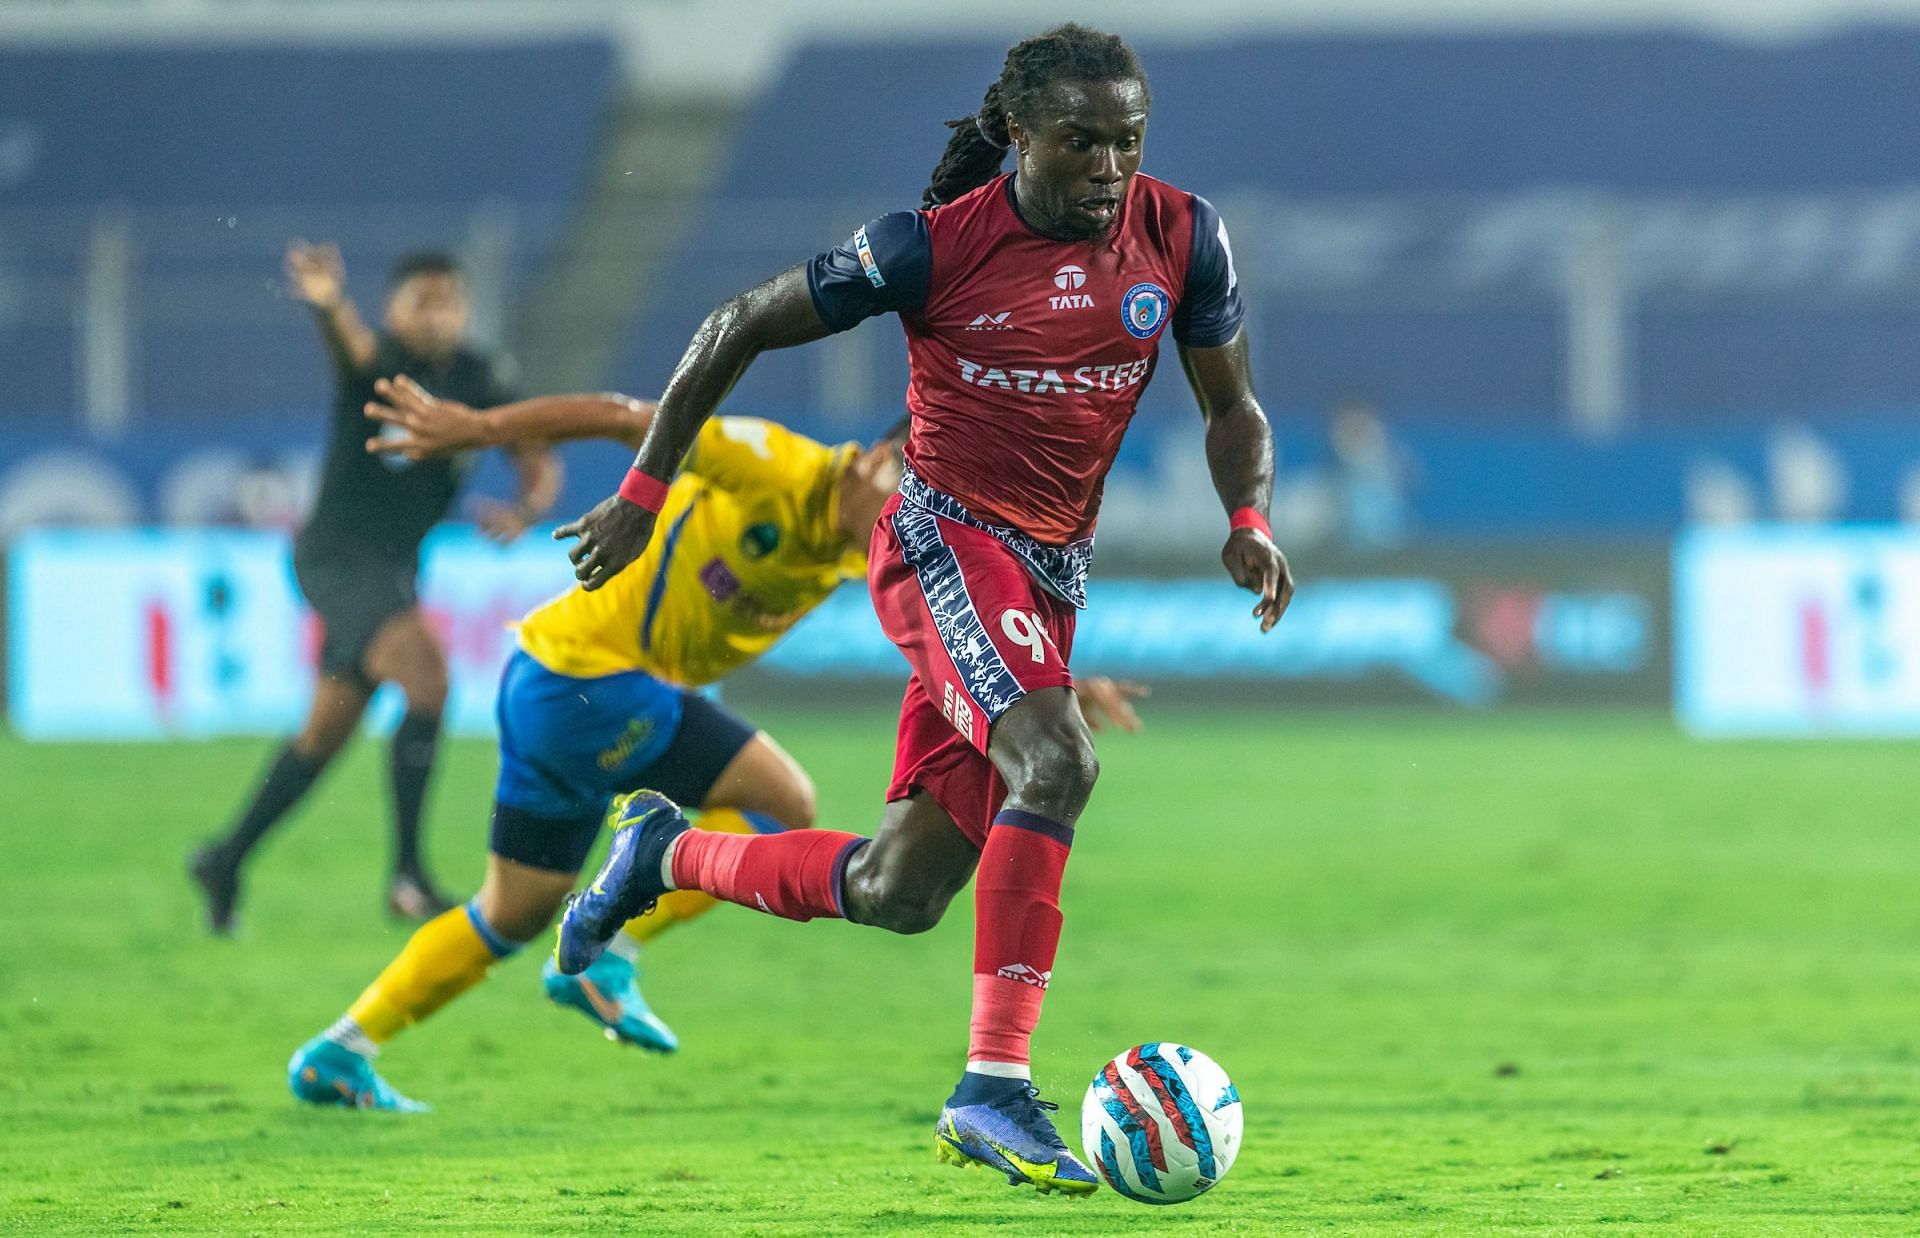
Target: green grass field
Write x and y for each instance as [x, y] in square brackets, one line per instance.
[1546, 974]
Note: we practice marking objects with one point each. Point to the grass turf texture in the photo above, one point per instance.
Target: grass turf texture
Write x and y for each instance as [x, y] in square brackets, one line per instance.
[1547, 973]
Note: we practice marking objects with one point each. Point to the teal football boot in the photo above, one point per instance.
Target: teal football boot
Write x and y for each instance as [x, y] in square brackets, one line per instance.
[325, 1073]
[608, 992]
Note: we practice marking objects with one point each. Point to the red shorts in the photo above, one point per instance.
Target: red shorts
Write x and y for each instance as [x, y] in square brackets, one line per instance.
[980, 633]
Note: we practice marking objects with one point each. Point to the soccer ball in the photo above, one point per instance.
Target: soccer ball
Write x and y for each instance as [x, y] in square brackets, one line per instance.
[1161, 1123]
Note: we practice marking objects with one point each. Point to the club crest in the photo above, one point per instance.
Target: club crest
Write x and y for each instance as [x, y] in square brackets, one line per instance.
[1144, 310]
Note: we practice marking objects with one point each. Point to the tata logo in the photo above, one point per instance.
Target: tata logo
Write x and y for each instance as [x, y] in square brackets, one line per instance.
[1068, 278]
[991, 322]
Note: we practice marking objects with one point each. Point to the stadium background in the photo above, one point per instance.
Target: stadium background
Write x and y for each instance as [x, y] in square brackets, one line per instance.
[1525, 303]
[1586, 330]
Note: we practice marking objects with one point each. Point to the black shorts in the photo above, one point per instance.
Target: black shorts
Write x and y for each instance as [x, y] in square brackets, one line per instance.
[558, 767]
[354, 596]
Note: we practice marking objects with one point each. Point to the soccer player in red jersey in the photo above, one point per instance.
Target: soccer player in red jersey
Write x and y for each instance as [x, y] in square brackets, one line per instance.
[1034, 304]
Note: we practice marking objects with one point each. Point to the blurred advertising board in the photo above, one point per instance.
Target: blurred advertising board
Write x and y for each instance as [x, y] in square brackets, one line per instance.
[1797, 631]
[149, 634]
[1471, 626]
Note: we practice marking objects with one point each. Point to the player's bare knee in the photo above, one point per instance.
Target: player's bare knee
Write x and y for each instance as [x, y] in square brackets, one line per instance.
[1082, 763]
[862, 889]
[918, 918]
[1055, 776]
[879, 899]
[907, 912]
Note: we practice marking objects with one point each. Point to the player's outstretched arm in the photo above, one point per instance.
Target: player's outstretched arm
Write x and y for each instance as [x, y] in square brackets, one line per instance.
[1240, 457]
[779, 313]
[426, 425]
[316, 275]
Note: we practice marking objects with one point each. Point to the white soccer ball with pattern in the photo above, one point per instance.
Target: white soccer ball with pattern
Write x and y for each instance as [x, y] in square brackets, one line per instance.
[1161, 1123]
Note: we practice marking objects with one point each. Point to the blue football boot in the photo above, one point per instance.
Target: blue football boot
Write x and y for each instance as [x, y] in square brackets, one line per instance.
[1015, 1136]
[608, 992]
[627, 885]
[325, 1073]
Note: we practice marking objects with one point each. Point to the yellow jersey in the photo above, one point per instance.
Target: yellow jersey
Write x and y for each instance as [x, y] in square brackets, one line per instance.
[747, 543]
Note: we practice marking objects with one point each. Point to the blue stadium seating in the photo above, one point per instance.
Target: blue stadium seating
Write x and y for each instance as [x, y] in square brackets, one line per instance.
[1648, 114]
[219, 154]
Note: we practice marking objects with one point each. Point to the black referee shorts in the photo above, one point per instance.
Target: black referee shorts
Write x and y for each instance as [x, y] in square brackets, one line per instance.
[354, 595]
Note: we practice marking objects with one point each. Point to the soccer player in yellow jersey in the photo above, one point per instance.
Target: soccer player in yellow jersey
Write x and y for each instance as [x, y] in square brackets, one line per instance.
[601, 698]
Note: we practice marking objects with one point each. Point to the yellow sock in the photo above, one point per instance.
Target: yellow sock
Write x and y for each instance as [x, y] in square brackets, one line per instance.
[680, 906]
[445, 958]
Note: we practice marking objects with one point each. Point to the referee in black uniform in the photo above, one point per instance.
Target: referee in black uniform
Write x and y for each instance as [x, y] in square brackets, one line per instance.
[358, 556]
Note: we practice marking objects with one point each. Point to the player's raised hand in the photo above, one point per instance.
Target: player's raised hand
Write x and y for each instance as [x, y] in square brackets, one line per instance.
[612, 535]
[1105, 701]
[316, 275]
[419, 423]
[1257, 565]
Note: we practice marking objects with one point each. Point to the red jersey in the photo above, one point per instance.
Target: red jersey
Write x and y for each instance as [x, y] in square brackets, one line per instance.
[1028, 355]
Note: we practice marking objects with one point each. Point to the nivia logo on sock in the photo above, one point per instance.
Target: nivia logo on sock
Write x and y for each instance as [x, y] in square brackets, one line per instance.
[1025, 975]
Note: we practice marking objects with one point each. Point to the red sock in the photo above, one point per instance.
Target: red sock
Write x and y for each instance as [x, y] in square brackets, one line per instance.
[1016, 900]
[795, 874]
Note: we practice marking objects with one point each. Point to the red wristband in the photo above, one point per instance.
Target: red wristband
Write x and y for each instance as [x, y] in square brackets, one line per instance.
[1248, 518]
[644, 490]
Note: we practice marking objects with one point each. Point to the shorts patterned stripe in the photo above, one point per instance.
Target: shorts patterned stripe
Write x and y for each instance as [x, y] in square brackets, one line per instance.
[1062, 569]
[993, 687]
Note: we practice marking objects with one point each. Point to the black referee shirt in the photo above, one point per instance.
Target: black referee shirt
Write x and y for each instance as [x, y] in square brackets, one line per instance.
[381, 506]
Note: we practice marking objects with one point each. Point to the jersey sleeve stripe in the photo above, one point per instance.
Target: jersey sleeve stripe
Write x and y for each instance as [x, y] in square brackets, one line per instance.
[659, 587]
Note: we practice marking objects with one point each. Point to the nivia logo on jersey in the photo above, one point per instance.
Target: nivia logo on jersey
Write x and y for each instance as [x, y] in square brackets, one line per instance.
[1079, 381]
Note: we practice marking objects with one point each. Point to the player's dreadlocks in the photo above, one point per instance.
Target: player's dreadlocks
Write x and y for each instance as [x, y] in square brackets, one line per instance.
[1071, 53]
